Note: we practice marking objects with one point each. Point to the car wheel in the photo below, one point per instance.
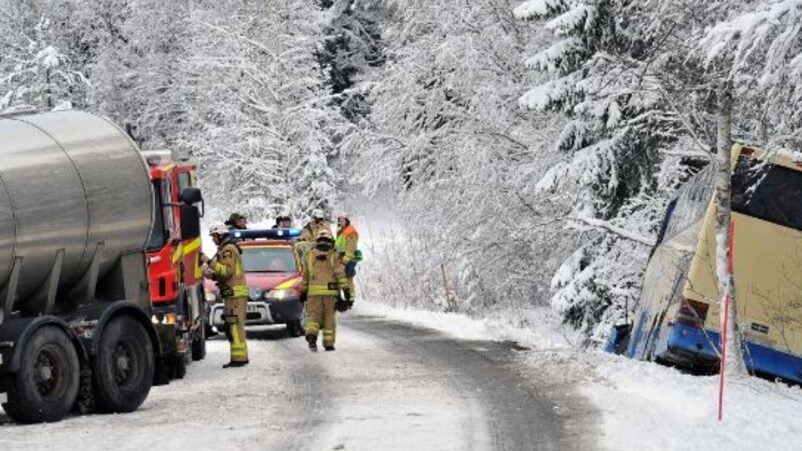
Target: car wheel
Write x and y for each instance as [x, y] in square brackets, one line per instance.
[295, 328]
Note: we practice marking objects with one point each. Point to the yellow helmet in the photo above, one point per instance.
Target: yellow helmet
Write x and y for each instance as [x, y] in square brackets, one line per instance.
[324, 234]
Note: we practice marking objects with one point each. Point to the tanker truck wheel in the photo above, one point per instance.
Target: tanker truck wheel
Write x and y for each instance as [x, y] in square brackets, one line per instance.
[46, 386]
[123, 368]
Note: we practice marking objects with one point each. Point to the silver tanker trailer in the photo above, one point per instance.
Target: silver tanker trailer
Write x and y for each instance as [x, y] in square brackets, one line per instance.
[76, 207]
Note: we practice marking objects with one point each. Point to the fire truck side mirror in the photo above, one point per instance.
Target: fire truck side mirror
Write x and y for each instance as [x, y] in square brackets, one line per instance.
[190, 222]
[191, 196]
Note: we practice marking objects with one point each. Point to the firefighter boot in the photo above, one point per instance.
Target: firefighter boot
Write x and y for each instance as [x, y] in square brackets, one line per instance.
[236, 364]
[312, 340]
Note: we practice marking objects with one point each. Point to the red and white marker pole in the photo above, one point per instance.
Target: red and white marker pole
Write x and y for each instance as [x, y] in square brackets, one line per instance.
[725, 325]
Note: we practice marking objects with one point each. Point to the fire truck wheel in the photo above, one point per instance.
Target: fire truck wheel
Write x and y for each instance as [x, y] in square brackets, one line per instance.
[123, 368]
[180, 367]
[199, 343]
[46, 386]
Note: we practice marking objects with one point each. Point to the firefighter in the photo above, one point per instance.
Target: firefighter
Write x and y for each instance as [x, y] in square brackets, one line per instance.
[227, 270]
[317, 223]
[284, 221]
[346, 245]
[237, 221]
[309, 232]
[323, 278]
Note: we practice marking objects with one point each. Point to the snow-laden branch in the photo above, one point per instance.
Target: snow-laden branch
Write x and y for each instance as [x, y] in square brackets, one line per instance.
[687, 154]
[538, 8]
[240, 37]
[623, 233]
[746, 35]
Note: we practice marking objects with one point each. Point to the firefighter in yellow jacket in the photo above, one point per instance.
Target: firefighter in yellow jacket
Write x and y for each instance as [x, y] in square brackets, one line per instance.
[318, 223]
[323, 278]
[227, 270]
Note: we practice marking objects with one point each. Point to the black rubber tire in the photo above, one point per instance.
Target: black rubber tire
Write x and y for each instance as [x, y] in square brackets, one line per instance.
[122, 386]
[179, 366]
[295, 328]
[199, 343]
[52, 347]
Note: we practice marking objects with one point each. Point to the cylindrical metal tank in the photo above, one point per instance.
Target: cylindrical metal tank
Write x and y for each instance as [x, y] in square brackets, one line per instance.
[68, 180]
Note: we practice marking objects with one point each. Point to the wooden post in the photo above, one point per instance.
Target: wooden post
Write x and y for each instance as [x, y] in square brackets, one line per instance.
[452, 305]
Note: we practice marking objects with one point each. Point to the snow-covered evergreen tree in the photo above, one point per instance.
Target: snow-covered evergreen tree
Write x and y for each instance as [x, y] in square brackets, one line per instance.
[617, 125]
[352, 47]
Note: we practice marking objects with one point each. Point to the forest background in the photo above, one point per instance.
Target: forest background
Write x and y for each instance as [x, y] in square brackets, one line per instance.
[524, 151]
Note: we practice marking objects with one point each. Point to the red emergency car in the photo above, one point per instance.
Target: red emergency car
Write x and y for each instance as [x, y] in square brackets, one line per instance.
[273, 274]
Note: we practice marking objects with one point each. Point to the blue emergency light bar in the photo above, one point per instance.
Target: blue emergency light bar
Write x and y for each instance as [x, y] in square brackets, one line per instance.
[275, 234]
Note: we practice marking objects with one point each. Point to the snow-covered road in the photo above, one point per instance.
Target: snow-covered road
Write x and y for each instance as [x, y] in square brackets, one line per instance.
[389, 386]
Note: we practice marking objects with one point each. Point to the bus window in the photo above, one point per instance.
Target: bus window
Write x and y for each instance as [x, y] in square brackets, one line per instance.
[768, 192]
[664, 226]
[690, 204]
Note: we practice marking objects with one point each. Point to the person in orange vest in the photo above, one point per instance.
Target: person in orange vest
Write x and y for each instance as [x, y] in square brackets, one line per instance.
[346, 244]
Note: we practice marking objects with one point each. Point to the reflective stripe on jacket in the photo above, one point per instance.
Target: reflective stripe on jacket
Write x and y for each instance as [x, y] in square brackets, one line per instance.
[323, 274]
[228, 270]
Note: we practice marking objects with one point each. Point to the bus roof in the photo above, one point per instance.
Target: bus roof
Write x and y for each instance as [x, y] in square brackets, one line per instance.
[785, 159]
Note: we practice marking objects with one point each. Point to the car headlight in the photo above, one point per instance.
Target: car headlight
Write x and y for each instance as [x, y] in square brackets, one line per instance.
[280, 295]
[255, 293]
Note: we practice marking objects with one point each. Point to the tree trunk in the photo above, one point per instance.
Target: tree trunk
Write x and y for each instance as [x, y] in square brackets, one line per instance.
[733, 360]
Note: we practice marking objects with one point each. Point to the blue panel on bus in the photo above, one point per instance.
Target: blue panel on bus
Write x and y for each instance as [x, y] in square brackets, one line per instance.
[684, 344]
[276, 234]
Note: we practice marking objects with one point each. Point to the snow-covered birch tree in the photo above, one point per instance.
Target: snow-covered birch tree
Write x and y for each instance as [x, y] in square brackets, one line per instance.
[271, 124]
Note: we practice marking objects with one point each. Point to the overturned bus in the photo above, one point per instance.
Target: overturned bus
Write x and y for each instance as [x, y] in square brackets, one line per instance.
[678, 318]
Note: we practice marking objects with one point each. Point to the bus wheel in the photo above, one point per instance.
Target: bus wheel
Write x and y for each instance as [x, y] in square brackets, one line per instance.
[123, 369]
[46, 386]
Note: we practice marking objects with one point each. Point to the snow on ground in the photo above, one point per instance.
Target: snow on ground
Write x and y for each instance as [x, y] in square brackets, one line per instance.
[644, 406]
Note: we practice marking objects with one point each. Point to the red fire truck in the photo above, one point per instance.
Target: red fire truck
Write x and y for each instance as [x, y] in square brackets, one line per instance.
[176, 279]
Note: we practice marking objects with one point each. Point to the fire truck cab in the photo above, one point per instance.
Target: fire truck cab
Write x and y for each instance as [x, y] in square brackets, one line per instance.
[174, 269]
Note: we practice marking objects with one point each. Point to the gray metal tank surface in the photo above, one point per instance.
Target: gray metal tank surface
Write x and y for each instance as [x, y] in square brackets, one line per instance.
[68, 180]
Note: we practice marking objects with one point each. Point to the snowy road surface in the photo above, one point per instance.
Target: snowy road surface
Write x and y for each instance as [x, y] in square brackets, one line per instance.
[389, 386]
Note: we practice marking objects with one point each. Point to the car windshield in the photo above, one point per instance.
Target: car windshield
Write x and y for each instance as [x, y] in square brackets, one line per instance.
[268, 259]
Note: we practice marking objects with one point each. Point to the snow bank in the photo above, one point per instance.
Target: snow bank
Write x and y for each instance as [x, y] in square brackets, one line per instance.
[643, 406]
[646, 406]
[466, 328]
